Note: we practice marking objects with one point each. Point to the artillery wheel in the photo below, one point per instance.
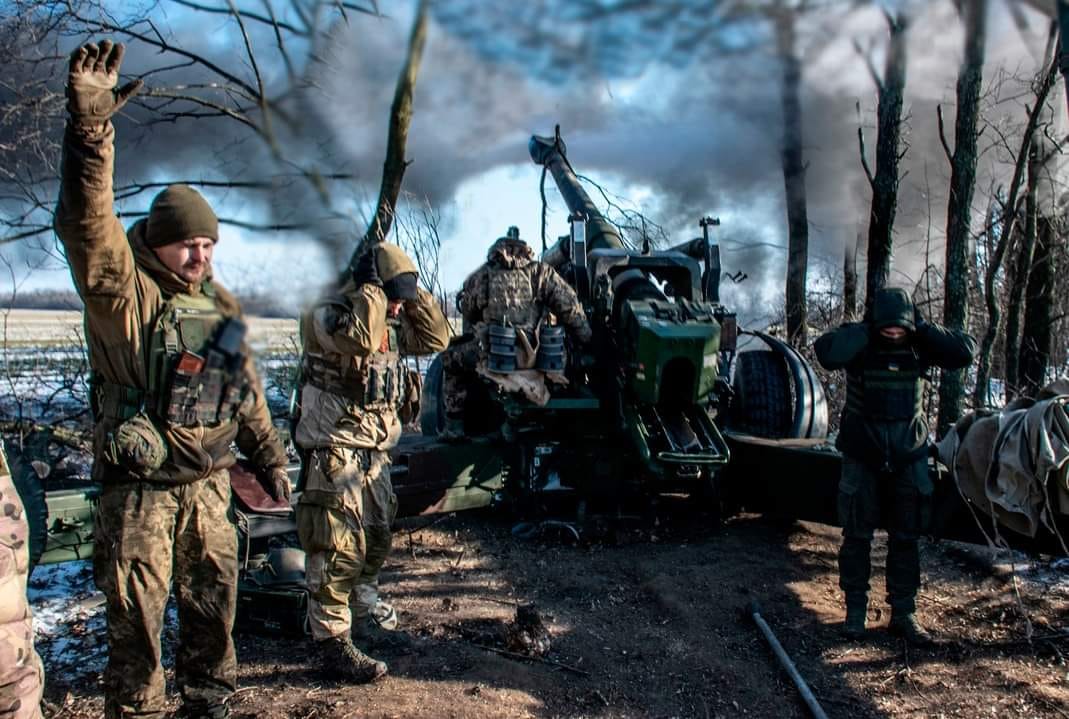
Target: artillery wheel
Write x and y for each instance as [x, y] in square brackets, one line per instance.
[432, 413]
[763, 399]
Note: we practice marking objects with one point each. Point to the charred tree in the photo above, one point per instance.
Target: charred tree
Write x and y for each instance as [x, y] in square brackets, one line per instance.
[1019, 273]
[884, 183]
[850, 279]
[1037, 335]
[959, 207]
[393, 169]
[793, 179]
[1007, 229]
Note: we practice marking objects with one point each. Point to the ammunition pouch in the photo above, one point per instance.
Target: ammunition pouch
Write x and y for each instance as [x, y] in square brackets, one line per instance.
[375, 386]
[211, 396]
[137, 446]
[550, 348]
[888, 387]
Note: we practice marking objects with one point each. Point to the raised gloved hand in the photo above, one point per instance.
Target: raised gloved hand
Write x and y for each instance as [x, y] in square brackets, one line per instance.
[277, 484]
[93, 74]
[366, 271]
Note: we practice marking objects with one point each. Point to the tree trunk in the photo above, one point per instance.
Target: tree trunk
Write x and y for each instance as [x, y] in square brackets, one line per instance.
[393, 169]
[981, 392]
[959, 208]
[1018, 278]
[850, 280]
[888, 144]
[793, 180]
[1037, 336]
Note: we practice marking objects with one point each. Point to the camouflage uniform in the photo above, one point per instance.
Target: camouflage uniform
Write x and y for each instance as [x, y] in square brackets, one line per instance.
[21, 673]
[354, 382]
[169, 520]
[514, 289]
[883, 436]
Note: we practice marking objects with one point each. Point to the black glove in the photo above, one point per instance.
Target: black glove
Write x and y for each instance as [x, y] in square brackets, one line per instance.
[366, 271]
[277, 484]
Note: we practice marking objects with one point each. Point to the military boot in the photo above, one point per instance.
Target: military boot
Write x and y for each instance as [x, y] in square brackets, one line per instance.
[339, 659]
[905, 625]
[854, 625]
[368, 632]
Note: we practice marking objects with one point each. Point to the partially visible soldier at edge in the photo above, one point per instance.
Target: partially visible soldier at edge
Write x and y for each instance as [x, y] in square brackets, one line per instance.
[883, 436]
[21, 673]
[354, 387]
[158, 327]
[511, 288]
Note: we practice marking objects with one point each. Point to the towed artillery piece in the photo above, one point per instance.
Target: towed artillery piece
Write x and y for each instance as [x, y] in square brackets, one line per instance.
[671, 397]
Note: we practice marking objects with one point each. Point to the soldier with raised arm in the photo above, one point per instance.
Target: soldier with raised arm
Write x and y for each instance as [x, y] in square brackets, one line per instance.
[172, 387]
[355, 392]
[883, 436]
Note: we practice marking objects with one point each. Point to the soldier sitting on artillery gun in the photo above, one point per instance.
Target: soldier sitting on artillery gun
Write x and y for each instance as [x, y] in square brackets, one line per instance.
[505, 304]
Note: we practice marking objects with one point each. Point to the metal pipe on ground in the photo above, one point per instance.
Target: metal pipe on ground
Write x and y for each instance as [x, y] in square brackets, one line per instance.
[785, 660]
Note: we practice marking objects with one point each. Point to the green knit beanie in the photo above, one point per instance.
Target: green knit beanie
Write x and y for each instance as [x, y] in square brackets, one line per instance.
[179, 213]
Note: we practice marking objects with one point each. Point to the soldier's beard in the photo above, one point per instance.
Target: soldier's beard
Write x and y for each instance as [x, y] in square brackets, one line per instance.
[194, 271]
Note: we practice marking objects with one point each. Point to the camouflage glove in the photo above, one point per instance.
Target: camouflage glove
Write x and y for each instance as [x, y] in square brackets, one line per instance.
[93, 74]
[277, 484]
[365, 271]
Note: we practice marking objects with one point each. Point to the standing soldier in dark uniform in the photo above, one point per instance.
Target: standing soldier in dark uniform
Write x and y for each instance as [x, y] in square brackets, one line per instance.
[354, 386]
[172, 387]
[514, 289]
[883, 436]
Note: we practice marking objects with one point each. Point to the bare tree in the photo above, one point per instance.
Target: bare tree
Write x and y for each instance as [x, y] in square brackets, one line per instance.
[959, 209]
[393, 169]
[1007, 229]
[889, 152]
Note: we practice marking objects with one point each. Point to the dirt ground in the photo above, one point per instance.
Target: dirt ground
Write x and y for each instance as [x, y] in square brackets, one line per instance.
[654, 626]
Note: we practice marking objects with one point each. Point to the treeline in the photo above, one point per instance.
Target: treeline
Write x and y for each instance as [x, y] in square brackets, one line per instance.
[257, 304]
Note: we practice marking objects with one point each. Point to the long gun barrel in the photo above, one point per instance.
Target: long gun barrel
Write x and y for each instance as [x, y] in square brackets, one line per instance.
[551, 153]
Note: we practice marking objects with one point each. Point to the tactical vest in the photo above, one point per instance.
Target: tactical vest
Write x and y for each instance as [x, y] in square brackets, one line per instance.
[208, 394]
[374, 382]
[510, 298]
[888, 386]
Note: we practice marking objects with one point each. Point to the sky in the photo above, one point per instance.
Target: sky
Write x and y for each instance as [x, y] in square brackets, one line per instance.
[668, 106]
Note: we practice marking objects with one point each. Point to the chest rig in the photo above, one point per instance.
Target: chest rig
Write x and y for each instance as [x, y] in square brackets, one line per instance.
[196, 362]
[373, 382]
[887, 385]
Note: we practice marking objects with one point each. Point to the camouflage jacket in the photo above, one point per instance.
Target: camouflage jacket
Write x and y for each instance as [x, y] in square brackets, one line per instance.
[349, 330]
[21, 674]
[125, 287]
[515, 289]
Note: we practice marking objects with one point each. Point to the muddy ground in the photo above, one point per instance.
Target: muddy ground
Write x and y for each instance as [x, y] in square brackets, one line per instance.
[654, 626]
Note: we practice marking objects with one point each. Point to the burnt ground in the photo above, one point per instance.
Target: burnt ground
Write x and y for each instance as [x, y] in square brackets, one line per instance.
[653, 625]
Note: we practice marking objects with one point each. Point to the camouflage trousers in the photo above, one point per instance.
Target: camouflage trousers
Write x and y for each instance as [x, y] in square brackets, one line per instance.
[458, 370]
[21, 673]
[343, 520]
[146, 536]
[901, 502]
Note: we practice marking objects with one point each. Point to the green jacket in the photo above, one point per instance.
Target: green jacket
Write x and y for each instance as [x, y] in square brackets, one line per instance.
[884, 423]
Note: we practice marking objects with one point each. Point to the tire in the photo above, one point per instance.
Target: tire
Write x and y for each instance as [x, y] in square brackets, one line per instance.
[432, 412]
[763, 404]
[32, 493]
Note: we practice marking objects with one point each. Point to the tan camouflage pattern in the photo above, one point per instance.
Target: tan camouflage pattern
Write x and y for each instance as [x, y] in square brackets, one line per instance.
[512, 285]
[347, 335]
[21, 672]
[148, 535]
[343, 521]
